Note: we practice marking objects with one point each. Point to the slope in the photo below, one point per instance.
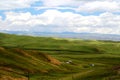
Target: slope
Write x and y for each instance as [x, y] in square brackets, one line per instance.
[47, 58]
[21, 62]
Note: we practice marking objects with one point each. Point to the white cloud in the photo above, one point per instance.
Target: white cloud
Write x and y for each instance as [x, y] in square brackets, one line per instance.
[56, 21]
[83, 5]
[97, 6]
[55, 3]
[77, 5]
[14, 4]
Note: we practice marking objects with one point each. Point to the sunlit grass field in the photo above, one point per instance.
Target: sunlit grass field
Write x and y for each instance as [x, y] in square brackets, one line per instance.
[47, 58]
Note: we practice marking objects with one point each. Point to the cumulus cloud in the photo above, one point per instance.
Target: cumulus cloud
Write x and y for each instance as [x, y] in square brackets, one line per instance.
[53, 20]
[77, 5]
[100, 6]
[83, 5]
[56, 21]
[55, 3]
[14, 4]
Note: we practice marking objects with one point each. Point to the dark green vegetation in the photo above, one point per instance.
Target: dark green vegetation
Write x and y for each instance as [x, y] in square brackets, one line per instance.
[43, 58]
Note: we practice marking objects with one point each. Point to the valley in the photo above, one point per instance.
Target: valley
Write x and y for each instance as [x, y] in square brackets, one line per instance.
[48, 58]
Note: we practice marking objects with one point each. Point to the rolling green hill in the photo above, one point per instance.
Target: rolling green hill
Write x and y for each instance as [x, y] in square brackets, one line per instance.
[46, 58]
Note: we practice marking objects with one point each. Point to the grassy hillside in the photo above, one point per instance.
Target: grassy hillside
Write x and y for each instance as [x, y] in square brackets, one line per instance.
[44, 58]
[21, 62]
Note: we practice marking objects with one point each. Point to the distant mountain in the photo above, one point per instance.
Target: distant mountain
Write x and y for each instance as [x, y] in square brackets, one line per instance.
[86, 36]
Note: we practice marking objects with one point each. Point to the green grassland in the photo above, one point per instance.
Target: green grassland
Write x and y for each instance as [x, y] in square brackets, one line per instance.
[47, 58]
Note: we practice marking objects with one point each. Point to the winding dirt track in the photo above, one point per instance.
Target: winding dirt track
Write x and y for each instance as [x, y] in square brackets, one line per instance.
[76, 75]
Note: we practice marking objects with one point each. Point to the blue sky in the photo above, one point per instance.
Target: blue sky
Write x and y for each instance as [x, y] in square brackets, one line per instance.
[91, 16]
